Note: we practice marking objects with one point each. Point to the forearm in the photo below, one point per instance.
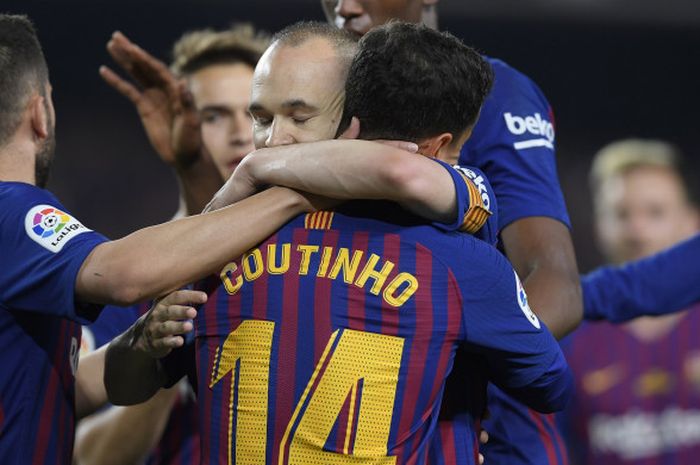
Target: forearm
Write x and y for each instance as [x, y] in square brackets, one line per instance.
[157, 260]
[101, 439]
[663, 283]
[542, 253]
[90, 393]
[131, 376]
[351, 169]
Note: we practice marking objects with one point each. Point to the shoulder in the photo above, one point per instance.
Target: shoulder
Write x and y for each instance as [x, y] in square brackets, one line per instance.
[19, 193]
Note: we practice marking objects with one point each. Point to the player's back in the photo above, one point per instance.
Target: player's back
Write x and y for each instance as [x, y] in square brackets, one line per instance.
[330, 342]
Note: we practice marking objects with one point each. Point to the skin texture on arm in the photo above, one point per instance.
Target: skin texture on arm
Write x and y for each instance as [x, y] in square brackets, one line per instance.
[154, 261]
[346, 169]
[90, 396]
[542, 253]
[100, 439]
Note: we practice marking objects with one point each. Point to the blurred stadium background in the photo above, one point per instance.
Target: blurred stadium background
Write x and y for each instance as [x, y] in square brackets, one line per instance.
[610, 68]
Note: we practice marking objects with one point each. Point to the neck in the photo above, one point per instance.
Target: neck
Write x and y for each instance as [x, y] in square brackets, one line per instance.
[17, 162]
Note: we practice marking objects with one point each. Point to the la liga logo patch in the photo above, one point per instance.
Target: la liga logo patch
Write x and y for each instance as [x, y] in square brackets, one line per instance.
[522, 302]
[51, 228]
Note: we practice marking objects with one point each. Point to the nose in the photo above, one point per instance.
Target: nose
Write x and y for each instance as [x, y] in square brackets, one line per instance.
[241, 129]
[278, 135]
[348, 9]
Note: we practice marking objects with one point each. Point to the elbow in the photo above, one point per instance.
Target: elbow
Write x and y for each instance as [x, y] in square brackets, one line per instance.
[557, 396]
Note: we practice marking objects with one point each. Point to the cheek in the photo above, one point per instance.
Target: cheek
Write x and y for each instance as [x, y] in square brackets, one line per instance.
[214, 139]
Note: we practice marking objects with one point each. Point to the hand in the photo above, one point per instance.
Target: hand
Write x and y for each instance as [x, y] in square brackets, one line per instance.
[314, 202]
[163, 102]
[483, 439]
[160, 330]
[239, 186]
[353, 132]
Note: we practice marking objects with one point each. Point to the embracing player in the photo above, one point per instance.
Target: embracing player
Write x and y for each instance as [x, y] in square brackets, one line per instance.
[389, 303]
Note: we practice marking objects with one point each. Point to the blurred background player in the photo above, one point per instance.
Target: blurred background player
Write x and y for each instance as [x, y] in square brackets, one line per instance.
[204, 123]
[638, 385]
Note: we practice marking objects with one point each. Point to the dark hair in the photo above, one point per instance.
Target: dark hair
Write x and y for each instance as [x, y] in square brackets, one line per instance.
[22, 69]
[410, 82]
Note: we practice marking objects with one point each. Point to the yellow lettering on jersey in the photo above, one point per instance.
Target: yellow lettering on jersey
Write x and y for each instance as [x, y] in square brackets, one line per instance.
[252, 270]
[373, 358]
[246, 356]
[273, 268]
[227, 274]
[379, 277]
[325, 261]
[306, 252]
[343, 262]
[401, 279]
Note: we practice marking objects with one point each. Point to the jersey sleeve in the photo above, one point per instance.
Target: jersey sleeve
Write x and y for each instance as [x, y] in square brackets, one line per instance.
[662, 283]
[43, 248]
[522, 356]
[514, 144]
[474, 203]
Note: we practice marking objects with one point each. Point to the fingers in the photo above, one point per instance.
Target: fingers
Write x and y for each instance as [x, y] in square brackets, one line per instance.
[483, 436]
[400, 144]
[184, 297]
[147, 70]
[122, 86]
[481, 458]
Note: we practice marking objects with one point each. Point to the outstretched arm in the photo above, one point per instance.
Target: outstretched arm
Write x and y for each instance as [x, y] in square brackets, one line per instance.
[662, 283]
[347, 169]
[154, 261]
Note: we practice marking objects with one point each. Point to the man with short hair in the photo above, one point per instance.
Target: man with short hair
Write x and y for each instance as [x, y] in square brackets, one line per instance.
[56, 272]
[208, 127]
[377, 308]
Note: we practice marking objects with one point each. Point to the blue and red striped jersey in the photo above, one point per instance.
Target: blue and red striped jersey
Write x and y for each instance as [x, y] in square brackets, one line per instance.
[330, 342]
[636, 401]
[42, 249]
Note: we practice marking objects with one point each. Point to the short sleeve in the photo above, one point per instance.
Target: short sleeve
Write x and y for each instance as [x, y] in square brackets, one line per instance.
[43, 248]
[474, 202]
[523, 357]
[514, 144]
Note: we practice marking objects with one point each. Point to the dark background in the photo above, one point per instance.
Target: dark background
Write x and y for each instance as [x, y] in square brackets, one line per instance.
[610, 68]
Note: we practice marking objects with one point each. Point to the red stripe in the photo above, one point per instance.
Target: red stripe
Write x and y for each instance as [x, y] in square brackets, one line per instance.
[323, 327]
[260, 289]
[50, 397]
[206, 319]
[447, 442]
[357, 316]
[343, 416]
[452, 330]
[392, 251]
[544, 437]
[557, 438]
[285, 371]
[417, 355]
